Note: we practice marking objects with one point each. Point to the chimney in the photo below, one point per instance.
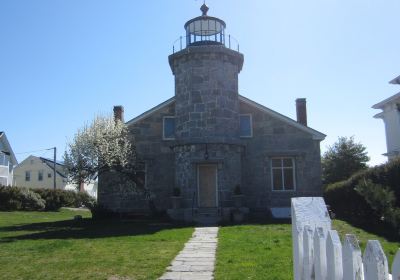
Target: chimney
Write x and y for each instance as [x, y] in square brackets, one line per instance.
[301, 111]
[119, 113]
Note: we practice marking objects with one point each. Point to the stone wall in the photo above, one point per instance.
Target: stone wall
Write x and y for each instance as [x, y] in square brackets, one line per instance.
[275, 138]
[226, 157]
[158, 158]
[206, 93]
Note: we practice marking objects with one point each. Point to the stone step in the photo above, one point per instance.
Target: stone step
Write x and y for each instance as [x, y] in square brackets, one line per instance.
[211, 210]
[207, 221]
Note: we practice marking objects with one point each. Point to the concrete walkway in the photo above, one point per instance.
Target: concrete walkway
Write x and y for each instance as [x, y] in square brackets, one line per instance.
[196, 261]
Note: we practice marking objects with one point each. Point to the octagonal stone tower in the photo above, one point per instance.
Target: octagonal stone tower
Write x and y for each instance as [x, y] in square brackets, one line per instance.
[207, 143]
[206, 83]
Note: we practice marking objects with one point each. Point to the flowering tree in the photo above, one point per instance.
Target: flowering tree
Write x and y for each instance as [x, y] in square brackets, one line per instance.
[99, 147]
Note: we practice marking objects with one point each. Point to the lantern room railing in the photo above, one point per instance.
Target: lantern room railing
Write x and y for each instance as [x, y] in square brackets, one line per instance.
[221, 39]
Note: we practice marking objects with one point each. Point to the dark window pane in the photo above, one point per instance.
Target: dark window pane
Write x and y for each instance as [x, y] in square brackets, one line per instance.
[276, 162]
[245, 125]
[40, 176]
[27, 176]
[169, 128]
[287, 162]
[289, 180]
[277, 179]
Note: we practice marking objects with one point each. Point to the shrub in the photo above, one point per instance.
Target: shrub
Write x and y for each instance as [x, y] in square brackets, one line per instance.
[378, 197]
[31, 200]
[347, 203]
[55, 199]
[14, 198]
[370, 197]
[83, 199]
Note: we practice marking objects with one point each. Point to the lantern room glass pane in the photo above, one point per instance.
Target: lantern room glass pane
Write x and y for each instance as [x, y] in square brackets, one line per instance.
[205, 27]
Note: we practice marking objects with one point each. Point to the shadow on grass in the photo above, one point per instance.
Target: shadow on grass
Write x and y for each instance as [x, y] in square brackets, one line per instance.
[87, 229]
[379, 229]
[259, 222]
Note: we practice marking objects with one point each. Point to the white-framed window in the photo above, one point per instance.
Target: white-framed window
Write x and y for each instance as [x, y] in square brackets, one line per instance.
[27, 176]
[169, 128]
[40, 175]
[283, 174]
[245, 125]
[49, 175]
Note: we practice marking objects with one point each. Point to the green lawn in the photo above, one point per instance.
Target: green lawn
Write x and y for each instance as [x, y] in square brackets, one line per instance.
[50, 245]
[265, 251]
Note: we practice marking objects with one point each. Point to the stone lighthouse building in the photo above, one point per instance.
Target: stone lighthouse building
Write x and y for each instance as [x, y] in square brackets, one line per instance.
[225, 153]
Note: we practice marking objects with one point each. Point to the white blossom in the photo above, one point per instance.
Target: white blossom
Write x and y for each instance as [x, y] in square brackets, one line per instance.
[98, 147]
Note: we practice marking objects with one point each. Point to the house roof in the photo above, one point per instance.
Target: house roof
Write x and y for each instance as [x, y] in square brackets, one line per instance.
[316, 134]
[395, 80]
[151, 111]
[60, 168]
[7, 147]
[391, 99]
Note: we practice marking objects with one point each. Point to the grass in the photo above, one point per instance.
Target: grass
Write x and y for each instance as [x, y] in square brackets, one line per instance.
[265, 251]
[51, 245]
[389, 245]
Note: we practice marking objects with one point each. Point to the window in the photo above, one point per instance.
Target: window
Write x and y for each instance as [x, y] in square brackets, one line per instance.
[27, 176]
[141, 175]
[169, 128]
[48, 175]
[283, 178]
[40, 176]
[4, 159]
[245, 124]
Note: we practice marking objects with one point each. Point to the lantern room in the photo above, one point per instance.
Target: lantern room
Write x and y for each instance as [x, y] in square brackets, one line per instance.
[205, 30]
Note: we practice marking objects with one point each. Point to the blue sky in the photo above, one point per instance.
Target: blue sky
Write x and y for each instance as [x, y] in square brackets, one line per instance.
[63, 62]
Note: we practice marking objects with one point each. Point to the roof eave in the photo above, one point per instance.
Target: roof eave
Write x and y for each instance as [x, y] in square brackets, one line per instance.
[151, 111]
[382, 104]
[316, 135]
[395, 81]
[14, 160]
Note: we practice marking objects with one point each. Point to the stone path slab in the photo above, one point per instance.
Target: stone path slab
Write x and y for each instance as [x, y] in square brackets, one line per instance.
[196, 261]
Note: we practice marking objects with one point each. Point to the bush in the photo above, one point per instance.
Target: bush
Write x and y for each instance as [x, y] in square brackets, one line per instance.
[17, 198]
[14, 198]
[55, 199]
[83, 199]
[370, 197]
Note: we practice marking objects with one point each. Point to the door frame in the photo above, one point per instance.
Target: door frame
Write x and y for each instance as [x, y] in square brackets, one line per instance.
[216, 182]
